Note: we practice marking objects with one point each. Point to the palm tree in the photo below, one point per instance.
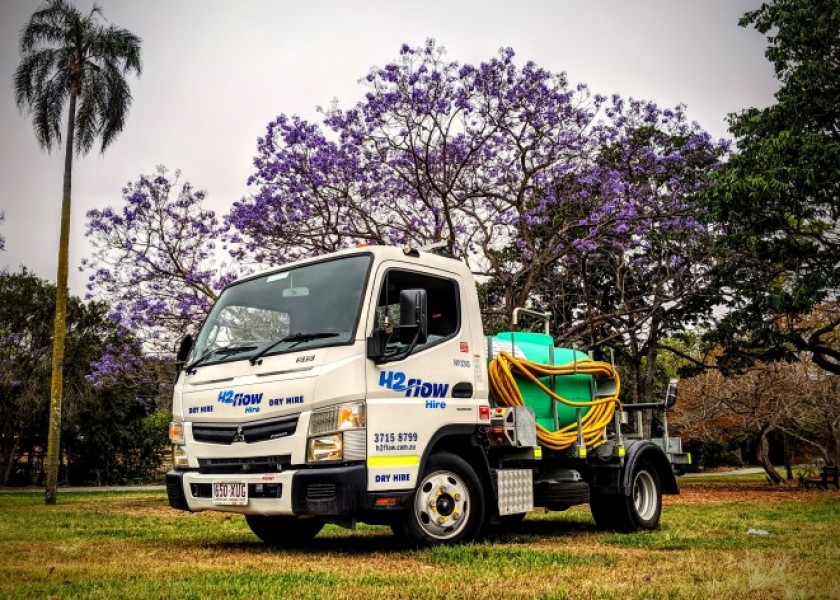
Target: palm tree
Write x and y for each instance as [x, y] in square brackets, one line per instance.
[71, 58]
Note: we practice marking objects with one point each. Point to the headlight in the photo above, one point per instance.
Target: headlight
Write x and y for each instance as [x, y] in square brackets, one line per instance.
[337, 433]
[176, 433]
[179, 457]
[325, 448]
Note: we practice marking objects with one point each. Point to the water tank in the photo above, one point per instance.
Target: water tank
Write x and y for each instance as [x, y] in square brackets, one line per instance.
[539, 347]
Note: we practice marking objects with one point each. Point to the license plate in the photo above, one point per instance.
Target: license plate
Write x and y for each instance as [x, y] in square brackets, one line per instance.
[230, 493]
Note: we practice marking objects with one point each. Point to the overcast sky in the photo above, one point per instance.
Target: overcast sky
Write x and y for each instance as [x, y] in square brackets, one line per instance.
[216, 72]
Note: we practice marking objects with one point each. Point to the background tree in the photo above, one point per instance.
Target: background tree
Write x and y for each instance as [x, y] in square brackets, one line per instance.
[642, 271]
[796, 399]
[70, 58]
[112, 430]
[815, 419]
[156, 259]
[2, 239]
[26, 313]
[529, 179]
[437, 151]
[778, 199]
[720, 409]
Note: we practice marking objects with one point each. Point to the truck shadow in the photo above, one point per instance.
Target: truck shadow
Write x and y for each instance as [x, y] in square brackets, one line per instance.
[381, 540]
[529, 531]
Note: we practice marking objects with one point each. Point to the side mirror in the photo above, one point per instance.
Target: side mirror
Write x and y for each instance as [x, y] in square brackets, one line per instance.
[184, 347]
[414, 317]
[671, 394]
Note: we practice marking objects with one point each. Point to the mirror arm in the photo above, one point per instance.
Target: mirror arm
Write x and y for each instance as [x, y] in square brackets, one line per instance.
[184, 347]
[375, 345]
[405, 354]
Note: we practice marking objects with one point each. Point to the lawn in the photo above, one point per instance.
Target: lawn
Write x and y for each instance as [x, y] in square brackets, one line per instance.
[131, 544]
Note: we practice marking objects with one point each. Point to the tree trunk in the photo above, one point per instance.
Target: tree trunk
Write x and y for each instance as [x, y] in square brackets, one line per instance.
[57, 378]
[763, 456]
[648, 381]
[788, 466]
[834, 443]
[10, 461]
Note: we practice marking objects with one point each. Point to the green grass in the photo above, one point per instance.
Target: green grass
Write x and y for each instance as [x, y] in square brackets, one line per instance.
[517, 558]
[724, 526]
[130, 544]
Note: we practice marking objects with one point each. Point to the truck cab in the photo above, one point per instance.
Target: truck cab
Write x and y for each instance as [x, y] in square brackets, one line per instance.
[354, 387]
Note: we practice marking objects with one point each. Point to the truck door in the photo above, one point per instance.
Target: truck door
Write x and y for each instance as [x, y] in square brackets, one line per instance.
[413, 397]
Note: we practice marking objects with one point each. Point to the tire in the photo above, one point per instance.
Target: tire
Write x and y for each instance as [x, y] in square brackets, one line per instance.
[447, 507]
[640, 511]
[285, 531]
[603, 507]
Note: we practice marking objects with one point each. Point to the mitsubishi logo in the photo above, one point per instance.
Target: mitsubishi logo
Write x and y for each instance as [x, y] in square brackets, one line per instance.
[239, 437]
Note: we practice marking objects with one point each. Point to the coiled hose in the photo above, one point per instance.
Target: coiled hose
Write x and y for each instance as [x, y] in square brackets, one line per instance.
[504, 390]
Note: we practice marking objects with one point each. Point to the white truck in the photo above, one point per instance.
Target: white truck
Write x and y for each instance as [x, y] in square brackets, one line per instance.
[354, 387]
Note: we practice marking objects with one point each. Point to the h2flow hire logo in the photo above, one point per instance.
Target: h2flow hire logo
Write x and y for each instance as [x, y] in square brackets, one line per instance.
[249, 401]
[413, 388]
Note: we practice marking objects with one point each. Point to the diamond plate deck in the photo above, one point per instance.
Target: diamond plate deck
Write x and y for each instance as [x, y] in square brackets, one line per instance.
[515, 491]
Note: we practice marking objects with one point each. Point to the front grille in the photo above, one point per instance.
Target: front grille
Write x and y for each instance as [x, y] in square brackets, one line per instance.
[255, 431]
[252, 464]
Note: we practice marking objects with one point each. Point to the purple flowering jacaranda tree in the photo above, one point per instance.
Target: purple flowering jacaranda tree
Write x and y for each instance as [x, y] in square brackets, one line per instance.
[641, 266]
[156, 258]
[519, 171]
[437, 151]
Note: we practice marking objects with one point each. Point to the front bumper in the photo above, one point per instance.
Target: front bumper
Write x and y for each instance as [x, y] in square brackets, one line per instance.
[328, 492]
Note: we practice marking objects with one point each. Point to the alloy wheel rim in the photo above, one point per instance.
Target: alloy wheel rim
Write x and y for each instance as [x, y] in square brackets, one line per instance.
[442, 505]
[644, 495]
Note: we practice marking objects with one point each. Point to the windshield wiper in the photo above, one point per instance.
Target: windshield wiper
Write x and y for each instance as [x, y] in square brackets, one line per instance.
[190, 369]
[298, 338]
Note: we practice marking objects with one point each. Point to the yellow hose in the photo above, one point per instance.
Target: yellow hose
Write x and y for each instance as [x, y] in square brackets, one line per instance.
[505, 391]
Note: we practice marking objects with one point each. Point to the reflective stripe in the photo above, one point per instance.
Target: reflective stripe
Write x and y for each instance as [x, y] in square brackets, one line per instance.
[393, 461]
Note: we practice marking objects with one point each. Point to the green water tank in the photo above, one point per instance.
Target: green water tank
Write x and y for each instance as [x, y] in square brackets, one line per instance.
[539, 348]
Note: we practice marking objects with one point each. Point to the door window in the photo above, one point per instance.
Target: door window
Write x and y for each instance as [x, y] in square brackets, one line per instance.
[442, 302]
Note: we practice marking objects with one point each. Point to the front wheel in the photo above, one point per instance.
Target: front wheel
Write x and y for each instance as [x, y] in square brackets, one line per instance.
[640, 511]
[280, 530]
[448, 506]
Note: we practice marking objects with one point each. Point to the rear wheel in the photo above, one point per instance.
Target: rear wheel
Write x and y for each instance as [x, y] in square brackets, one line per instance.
[639, 511]
[647, 499]
[281, 530]
[448, 505]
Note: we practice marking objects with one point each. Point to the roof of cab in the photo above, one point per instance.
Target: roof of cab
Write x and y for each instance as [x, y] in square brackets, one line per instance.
[426, 258]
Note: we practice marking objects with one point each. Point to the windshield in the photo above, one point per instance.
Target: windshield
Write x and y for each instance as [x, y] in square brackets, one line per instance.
[301, 308]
